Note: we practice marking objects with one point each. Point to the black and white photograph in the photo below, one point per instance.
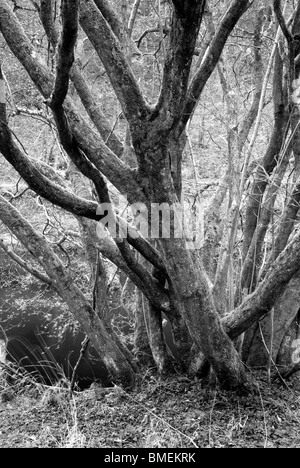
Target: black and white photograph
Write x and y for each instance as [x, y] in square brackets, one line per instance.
[149, 226]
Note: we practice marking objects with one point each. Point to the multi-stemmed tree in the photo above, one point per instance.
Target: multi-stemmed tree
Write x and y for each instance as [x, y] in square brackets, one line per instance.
[171, 277]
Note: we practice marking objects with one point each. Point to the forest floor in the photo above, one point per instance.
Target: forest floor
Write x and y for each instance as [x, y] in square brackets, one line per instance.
[159, 413]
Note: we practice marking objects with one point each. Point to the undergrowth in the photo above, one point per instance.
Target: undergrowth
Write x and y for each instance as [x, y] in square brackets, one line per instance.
[158, 413]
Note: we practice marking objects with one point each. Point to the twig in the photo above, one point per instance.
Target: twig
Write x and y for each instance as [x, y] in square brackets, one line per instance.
[145, 33]
[112, 280]
[133, 16]
[194, 166]
[84, 346]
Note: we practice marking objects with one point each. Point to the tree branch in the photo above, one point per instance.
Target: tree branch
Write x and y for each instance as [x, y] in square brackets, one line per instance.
[94, 111]
[2, 95]
[183, 34]
[138, 269]
[133, 15]
[109, 50]
[287, 223]
[289, 37]
[61, 197]
[24, 264]
[248, 121]
[46, 14]
[296, 20]
[96, 115]
[281, 21]
[263, 299]
[151, 288]
[111, 17]
[253, 260]
[35, 179]
[42, 185]
[58, 195]
[48, 172]
[233, 14]
[69, 14]
[270, 159]
[87, 169]
[142, 246]
[105, 160]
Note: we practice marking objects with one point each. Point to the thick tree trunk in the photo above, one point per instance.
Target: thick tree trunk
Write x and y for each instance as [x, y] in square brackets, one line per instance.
[156, 336]
[183, 343]
[192, 292]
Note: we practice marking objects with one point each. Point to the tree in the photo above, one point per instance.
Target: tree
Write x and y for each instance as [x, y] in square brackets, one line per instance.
[170, 276]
